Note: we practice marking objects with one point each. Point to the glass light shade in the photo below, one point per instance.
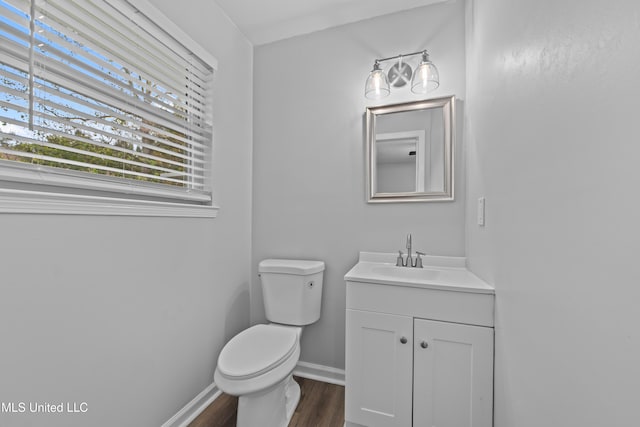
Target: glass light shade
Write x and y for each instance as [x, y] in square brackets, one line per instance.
[377, 85]
[426, 78]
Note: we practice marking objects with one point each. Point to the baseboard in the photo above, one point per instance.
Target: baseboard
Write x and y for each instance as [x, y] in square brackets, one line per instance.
[191, 410]
[322, 373]
[199, 403]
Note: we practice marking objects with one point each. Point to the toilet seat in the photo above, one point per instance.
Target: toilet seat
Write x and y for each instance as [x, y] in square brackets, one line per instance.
[257, 350]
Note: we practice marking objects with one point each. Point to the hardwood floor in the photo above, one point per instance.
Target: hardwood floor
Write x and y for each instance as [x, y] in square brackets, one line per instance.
[321, 405]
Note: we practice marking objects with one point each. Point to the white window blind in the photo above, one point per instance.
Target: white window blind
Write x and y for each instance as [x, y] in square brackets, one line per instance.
[95, 94]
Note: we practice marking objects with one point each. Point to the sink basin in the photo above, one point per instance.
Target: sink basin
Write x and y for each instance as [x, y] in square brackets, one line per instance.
[446, 273]
[411, 273]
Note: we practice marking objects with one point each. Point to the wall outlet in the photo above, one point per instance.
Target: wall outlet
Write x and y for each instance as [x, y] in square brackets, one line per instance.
[481, 211]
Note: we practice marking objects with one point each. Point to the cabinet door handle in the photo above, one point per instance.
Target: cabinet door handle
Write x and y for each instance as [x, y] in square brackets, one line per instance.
[403, 340]
[424, 344]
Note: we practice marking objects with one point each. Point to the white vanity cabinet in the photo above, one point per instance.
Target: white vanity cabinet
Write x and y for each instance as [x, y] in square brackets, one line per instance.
[418, 355]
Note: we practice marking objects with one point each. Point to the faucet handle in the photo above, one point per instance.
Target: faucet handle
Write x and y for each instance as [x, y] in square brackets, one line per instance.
[399, 260]
[418, 259]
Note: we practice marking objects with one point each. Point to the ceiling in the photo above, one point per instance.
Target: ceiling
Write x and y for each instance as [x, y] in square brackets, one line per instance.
[266, 21]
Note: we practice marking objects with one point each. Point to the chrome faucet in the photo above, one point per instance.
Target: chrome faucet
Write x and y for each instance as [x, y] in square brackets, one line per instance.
[409, 262]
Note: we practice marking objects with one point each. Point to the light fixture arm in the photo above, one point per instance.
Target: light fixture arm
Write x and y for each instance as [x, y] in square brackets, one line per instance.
[422, 52]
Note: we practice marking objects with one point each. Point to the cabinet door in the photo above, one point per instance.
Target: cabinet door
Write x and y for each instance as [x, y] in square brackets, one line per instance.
[453, 375]
[379, 355]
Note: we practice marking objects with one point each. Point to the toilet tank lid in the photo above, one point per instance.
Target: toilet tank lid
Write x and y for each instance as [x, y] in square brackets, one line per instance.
[290, 266]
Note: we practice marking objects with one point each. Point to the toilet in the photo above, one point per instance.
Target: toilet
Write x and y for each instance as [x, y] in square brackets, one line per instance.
[257, 364]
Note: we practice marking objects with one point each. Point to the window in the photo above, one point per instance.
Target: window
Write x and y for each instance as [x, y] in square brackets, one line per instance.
[104, 103]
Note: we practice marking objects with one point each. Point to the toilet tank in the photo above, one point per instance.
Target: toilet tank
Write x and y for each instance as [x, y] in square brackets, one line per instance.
[292, 290]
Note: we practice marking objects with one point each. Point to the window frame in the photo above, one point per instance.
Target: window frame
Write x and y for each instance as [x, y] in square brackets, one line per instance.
[24, 188]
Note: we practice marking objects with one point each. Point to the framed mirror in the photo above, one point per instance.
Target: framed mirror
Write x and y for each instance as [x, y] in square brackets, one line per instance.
[410, 151]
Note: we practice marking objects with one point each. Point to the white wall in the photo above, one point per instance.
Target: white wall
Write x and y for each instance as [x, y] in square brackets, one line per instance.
[129, 314]
[552, 136]
[309, 191]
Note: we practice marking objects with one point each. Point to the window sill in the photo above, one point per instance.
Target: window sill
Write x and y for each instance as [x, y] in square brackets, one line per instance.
[36, 202]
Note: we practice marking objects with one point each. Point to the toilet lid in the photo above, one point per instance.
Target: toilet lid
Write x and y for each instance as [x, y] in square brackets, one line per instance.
[257, 350]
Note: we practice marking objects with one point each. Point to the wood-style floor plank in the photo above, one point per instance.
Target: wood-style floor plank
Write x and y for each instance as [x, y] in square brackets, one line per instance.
[321, 405]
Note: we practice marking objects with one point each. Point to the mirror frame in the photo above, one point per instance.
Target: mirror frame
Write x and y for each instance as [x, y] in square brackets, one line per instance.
[448, 109]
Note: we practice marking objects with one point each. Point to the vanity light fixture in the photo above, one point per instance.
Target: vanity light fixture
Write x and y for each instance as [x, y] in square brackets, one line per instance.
[424, 79]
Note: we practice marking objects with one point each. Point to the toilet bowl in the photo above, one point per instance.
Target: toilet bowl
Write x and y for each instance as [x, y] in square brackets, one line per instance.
[257, 364]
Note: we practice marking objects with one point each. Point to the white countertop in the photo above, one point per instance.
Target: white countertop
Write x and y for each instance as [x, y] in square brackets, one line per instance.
[443, 273]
